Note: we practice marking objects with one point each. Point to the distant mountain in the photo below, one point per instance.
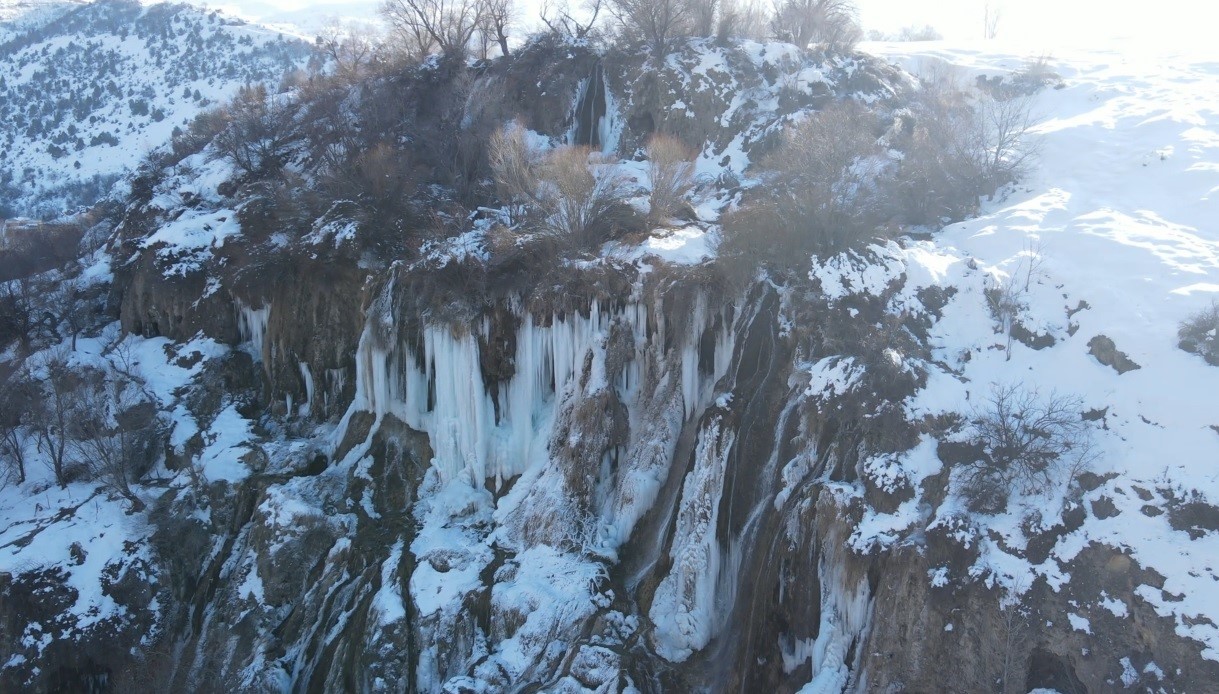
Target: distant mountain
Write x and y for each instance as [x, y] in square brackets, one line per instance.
[87, 90]
[304, 18]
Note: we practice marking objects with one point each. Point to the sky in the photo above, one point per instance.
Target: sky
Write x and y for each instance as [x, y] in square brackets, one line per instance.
[1037, 24]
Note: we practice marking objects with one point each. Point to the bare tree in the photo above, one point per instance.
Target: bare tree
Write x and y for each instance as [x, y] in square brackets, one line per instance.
[749, 19]
[259, 129]
[657, 23]
[1007, 302]
[1004, 126]
[703, 16]
[557, 16]
[66, 304]
[991, 14]
[442, 25]
[828, 22]
[671, 171]
[1013, 619]
[350, 50]
[1027, 442]
[961, 147]
[16, 397]
[18, 317]
[497, 18]
[109, 431]
[51, 410]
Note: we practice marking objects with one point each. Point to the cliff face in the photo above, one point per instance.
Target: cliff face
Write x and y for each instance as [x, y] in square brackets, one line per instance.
[404, 460]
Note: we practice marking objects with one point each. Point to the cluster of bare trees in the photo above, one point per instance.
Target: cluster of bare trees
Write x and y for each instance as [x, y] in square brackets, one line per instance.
[658, 23]
[830, 186]
[95, 422]
[450, 27]
[818, 197]
[457, 27]
[568, 192]
[258, 129]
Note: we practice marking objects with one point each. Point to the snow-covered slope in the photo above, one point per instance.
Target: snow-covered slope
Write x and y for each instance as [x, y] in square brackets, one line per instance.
[85, 97]
[1120, 217]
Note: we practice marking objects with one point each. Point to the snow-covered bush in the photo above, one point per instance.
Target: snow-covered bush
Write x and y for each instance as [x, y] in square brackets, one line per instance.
[1199, 334]
[1027, 444]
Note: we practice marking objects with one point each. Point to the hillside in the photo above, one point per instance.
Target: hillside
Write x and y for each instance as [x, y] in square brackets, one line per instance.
[88, 90]
[741, 370]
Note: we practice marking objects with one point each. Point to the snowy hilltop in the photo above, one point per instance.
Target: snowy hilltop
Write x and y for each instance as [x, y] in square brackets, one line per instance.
[88, 90]
[707, 364]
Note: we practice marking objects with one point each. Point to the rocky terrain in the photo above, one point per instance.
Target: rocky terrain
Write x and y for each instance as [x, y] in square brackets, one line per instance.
[398, 407]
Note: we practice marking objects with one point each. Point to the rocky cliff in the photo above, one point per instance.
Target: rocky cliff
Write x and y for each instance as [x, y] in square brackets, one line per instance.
[429, 454]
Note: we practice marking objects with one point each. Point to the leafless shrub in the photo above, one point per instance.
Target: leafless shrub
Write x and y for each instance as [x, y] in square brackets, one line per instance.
[1027, 443]
[378, 182]
[1007, 296]
[671, 170]
[202, 130]
[577, 202]
[560, 193]
[513, 169]
[828, 22]
[818, 193]
[1199, 334]
[959, 149]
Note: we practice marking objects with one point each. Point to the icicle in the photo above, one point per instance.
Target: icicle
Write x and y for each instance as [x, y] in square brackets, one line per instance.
[467, 440]
[307, 378]
[252, 328]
